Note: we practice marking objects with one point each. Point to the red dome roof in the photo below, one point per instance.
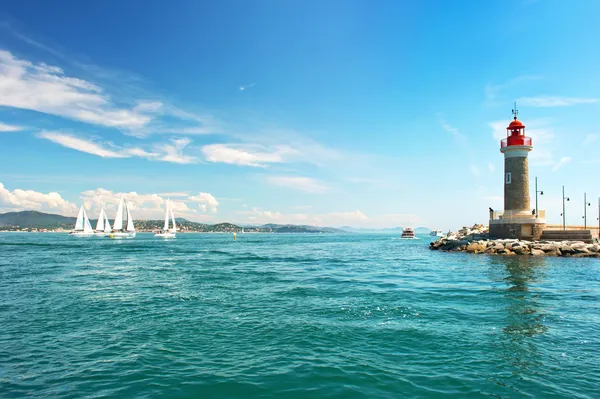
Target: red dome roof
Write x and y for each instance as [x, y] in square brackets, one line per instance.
[515, 124]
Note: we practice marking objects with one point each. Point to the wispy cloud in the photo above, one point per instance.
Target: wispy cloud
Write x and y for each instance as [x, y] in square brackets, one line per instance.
[247, 154]
[174, 152]
[305, 184]
[550, 101]
[562, 162]
[591, 138]
[475, 171]
[48, 89]
[492, 91]
[166, 152]
[491, 167]
[246, 87]
[542, 135]
[82, 145]
[9, 128]
[456, 134]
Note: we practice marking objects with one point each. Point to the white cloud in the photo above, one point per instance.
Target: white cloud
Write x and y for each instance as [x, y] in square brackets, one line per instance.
[162, 152]
[18, 199]
[45, 88]
[246, 87]
[591, 138]
[305, 184]
[562, 162]
[143, 206]
[82, 145]
[205, 200]
[48, 89]
[247, 154]
[452, 130]
[550, 101]
[258, 216]
[174, 152]
[491, 167]
[493, 90]
[474, 170]
[9, 128]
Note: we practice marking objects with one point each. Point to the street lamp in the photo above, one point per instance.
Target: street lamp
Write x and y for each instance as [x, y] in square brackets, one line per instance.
[563, 202]
[585, 205]
[536, 198]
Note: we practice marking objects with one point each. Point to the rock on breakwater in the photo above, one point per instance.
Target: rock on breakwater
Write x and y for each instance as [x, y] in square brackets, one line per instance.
[476, 240]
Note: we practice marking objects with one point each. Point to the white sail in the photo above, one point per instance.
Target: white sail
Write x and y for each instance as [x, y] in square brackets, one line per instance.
[87, 227]
[106, 224]
[166, 226]
[130, 226]
[173, 220]
[100, 223]
[79, 222]
[119, 218]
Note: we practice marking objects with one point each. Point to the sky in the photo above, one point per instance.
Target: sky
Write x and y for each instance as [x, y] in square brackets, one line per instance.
[337, 113]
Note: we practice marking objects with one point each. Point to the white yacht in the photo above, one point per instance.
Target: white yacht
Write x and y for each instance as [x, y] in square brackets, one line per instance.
[118, 231]
[165, 232]
[436, 233]
[83, 228]
[103, 225]
[408, 232]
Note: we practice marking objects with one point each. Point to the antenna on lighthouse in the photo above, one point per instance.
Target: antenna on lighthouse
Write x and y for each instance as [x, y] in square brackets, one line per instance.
[515, 111]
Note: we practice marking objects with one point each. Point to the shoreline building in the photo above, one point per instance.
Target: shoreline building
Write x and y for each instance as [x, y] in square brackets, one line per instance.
[518, 219]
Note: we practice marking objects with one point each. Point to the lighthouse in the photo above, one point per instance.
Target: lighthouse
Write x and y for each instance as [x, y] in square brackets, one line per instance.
[518, 219]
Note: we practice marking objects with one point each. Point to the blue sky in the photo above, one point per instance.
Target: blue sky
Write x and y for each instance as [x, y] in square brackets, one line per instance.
[368, 114]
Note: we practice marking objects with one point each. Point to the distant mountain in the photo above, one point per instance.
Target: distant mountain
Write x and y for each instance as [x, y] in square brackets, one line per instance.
[418, 230]
[35, 219]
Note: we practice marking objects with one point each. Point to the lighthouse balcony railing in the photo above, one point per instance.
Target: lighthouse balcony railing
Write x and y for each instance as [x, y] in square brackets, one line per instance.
[515, 140]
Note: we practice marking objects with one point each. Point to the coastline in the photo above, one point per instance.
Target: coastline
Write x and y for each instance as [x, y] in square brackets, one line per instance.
[476, 240]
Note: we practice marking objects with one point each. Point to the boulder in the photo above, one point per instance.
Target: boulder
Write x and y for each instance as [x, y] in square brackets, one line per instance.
[475, 247]
[499, 247]
[566, 249]
[537, 252]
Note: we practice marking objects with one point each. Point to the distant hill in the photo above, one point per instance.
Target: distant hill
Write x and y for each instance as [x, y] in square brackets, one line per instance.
[418, 230]
[35, 219]
[39, 220]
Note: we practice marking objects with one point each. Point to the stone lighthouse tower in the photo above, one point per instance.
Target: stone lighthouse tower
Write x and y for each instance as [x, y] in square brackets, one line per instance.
[516, 147]
[517, 220]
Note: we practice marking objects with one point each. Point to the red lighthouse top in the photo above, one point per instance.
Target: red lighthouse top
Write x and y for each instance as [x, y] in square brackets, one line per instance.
[515, 133]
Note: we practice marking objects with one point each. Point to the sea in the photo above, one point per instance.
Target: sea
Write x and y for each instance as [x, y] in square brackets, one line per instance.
[291, 316]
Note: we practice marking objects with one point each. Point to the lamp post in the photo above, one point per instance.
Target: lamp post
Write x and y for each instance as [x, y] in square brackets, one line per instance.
[536, 198]
[585, 205]
[563, 202]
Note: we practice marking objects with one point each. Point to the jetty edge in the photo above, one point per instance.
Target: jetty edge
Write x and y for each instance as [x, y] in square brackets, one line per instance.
[476, 240]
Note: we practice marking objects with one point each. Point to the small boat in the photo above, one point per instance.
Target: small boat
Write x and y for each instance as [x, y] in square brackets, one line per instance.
[408, 232]
[83, 228]
[165, 232]
[436, 233]
[103, 225]
[118, 231]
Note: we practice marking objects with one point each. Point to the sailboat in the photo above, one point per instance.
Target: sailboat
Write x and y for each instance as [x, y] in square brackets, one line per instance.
[83, 228]
[165, 232]
[118, 231]
[103, 225]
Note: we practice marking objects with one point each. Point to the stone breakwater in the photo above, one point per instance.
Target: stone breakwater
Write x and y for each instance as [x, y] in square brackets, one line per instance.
[477, 241]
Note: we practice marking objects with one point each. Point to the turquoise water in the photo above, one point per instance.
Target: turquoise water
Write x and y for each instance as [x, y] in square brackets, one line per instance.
[294, 316]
